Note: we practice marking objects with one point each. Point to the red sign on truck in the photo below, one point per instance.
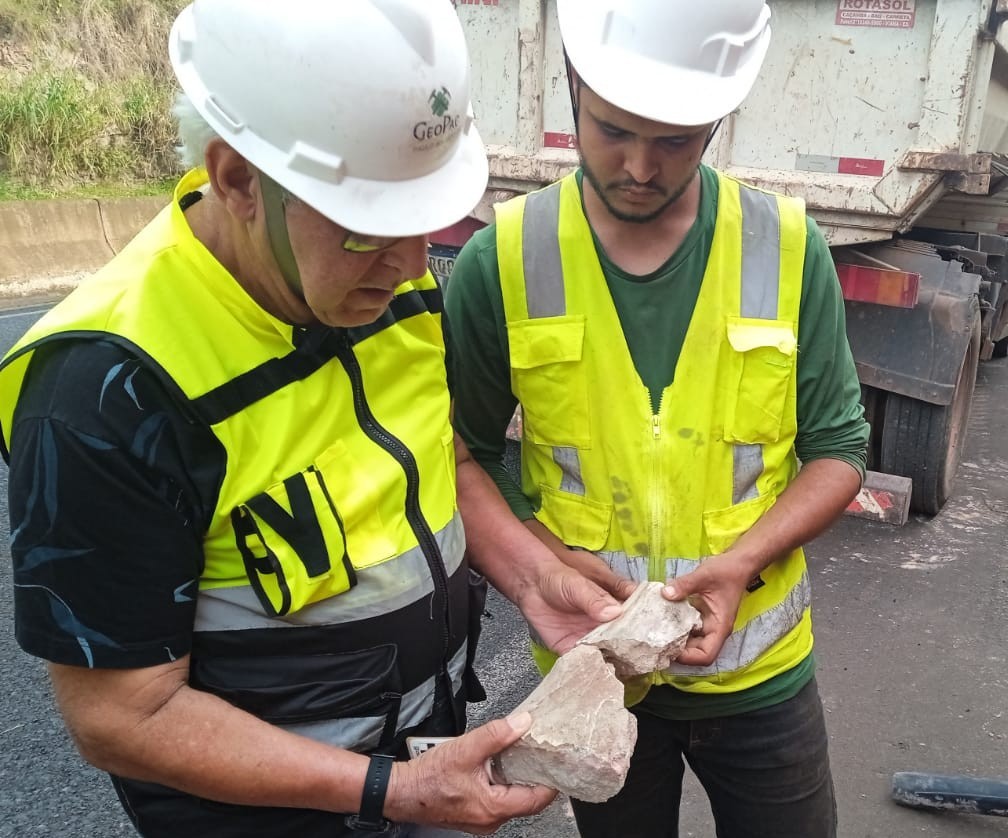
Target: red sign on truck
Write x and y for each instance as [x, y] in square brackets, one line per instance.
[889, 14]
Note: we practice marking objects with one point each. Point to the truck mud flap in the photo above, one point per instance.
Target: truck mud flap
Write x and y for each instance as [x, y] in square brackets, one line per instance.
[916, 352]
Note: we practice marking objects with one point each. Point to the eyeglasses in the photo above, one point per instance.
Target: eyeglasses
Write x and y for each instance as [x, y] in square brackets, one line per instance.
[352, 242]
[363, 243]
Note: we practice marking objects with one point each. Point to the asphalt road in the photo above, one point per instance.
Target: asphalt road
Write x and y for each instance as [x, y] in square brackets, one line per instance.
[912, 638]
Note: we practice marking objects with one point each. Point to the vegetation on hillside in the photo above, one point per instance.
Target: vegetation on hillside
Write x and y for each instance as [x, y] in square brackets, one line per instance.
[85, 96]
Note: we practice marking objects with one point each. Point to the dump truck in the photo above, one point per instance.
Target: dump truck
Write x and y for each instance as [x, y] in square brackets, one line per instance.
[890, 119]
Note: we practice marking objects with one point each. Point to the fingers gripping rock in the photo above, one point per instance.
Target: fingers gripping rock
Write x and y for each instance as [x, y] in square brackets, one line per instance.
[649, 634]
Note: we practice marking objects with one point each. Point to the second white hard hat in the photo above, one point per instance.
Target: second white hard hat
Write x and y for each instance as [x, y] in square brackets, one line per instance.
[679, 62]
[361, 109]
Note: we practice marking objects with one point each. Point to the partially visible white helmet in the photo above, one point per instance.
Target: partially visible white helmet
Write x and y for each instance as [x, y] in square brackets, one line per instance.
[680, 62]
[361, 109]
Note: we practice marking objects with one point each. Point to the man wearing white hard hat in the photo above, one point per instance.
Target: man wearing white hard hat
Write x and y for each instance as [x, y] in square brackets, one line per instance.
[676, 342]
[234, 490]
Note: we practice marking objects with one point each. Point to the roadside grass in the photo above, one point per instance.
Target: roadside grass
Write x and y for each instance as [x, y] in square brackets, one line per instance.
[13, 191]
[85, 97]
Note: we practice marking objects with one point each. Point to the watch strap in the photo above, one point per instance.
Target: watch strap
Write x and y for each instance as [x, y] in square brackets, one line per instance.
[373, 796]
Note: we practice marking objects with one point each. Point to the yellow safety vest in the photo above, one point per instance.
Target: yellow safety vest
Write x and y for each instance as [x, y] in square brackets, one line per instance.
[337, 510]
[652, 494]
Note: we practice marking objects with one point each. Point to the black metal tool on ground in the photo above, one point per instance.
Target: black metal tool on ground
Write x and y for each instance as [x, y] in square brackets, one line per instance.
[951, 793]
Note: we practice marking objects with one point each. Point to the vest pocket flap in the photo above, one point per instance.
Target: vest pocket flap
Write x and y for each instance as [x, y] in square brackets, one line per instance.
[293, 544]
[746, 334]
[723, 527]
[546, 340]
[577, 521]
[759, 380]
[292, 689]
[358, 503]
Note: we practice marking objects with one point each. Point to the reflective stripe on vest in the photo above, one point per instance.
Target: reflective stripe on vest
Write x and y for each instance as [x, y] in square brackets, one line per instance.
[384, 588]
[366, 733]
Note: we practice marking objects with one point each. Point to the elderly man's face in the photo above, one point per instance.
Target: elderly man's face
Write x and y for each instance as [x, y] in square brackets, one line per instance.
[348, 287]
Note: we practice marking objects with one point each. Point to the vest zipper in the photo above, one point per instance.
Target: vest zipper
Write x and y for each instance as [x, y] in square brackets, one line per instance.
[655, 571]
[414, 515]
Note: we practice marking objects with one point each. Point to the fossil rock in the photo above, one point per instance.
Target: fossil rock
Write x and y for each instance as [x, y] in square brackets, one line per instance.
[649, 634]
[581, 737]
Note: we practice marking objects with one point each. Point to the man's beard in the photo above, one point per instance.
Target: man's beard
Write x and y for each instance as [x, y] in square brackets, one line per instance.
[632, 218]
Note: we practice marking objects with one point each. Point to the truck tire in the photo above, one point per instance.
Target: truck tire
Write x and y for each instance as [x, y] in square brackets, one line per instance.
[925, 441]
[1000, 349]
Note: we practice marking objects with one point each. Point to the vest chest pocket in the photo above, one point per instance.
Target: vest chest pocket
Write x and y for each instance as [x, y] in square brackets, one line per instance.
[550, 379]
[296, 542]
[723, 527]
[577, 521]
[762, 369]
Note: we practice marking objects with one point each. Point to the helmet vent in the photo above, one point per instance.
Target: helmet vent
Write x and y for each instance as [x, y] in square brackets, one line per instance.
[317, 163]
[724, 53]
[221, 115]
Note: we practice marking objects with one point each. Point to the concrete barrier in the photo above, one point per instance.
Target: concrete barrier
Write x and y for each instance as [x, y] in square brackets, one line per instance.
[42, 240]
[123, 218]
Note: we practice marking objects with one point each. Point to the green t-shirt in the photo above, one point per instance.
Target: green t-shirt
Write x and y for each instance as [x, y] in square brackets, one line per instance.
[655, 311]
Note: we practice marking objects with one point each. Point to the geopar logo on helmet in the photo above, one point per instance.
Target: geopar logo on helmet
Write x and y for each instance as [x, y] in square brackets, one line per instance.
[440, 101]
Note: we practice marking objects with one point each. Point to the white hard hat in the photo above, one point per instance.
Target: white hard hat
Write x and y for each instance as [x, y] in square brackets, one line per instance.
[361, 109]
[679, 62]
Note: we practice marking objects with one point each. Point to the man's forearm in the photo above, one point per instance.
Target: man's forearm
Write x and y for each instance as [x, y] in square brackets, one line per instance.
[200, 744]
[149, 725]
[804, 509]
[498, 545]
[811, 503]
[561, 602]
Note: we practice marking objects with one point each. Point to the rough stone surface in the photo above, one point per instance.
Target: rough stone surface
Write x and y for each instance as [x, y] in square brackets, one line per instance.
[581, 737]
[649, 634]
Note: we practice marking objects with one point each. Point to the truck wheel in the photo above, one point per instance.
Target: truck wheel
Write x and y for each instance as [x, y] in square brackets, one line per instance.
[1000, 349]
[925, 441]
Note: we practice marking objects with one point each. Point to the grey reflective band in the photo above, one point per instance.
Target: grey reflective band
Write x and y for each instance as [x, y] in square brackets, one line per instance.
[627, 566]
[381, 589]
[276, 227]
[745, 646]
[760, 254]
[544, 294]
[761, 243]
[544, 285]
[674, 568]
[570, 465]
[363, 733]
[748, 466]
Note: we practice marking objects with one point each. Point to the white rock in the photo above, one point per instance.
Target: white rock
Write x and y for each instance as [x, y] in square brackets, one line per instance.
[581, 737]
[649, 634]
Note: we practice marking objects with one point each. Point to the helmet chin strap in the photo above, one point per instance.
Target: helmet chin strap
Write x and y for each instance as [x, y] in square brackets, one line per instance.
[570, 89]
[713, 131]
[274, 207]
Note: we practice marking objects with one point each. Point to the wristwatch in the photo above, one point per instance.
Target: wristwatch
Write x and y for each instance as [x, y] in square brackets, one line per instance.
[370, 817]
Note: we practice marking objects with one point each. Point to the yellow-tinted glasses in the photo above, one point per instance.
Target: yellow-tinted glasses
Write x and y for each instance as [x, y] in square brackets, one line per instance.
[352, 242]
[363, 243]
